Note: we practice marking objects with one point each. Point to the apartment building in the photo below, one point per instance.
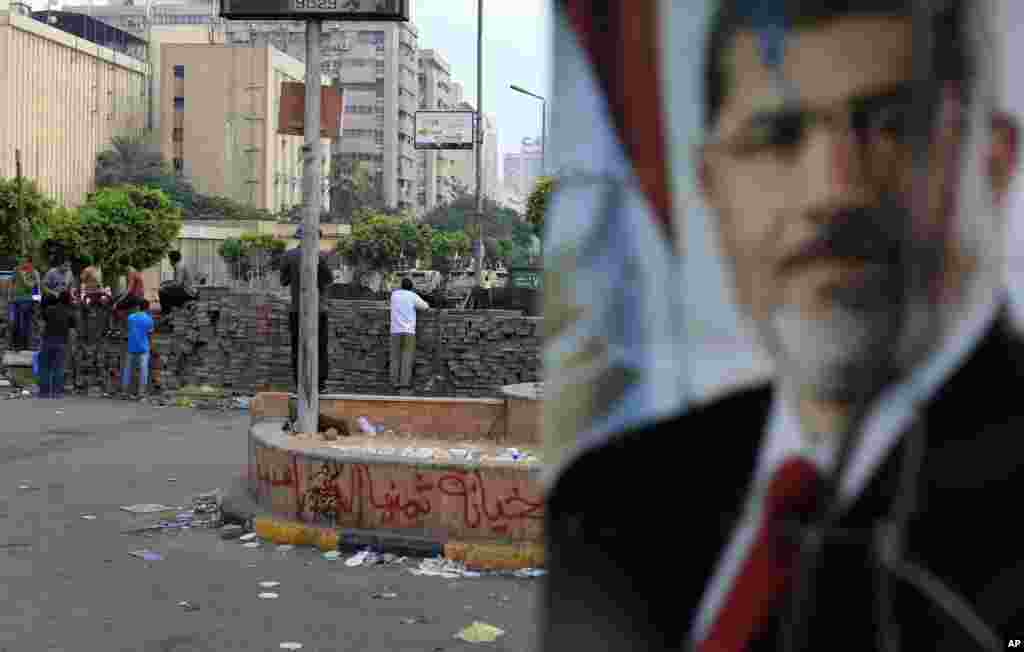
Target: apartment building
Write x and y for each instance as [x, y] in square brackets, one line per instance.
[375, 64]
[436, 185]
[165, 22]
[68, 85]
[462, 168]
[219, 126]
[522, 168]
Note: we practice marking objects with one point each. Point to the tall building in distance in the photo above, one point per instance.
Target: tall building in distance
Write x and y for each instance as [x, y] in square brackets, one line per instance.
[522, 169]
[376, 65]
[435, 166]
[227, 142]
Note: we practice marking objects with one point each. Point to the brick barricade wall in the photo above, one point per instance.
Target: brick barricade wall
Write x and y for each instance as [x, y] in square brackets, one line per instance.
[241, 342]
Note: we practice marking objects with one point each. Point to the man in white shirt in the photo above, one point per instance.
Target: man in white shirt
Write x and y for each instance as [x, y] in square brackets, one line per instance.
[404, 304]
[874, 285]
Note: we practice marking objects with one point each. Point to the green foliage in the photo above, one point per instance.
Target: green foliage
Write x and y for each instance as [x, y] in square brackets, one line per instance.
[447, 247]
[503, 251]
[458, 214]
[252, 251]
[354, 192]
[128, 227]
[375, 245]
[37, 209]
[137, 161]
[416, 241]
[62, 232]
[537, 203]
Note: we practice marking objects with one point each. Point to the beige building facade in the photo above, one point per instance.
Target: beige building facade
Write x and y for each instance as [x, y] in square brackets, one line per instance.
[219, 108]
[375, 63]
[62, 100]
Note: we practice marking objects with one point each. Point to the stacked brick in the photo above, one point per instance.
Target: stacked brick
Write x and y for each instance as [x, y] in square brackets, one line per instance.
[240, 342]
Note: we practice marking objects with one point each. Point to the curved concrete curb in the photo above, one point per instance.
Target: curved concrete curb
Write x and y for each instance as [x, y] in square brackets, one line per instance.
[238, 507]
[488, 515]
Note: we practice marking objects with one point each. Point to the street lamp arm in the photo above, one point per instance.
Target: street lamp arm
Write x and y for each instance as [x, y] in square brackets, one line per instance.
[519, 89]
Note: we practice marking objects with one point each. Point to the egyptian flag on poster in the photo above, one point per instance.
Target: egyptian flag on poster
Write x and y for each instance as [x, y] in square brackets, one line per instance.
[612, 305]
[636, 329]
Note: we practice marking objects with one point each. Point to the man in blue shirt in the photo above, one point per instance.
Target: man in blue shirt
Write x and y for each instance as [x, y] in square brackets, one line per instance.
[140, 326]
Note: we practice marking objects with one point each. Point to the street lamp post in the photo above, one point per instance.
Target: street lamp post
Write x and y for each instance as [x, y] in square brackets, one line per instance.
[543, 125]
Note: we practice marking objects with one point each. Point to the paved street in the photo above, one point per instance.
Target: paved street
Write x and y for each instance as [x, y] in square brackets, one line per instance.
[67, 583]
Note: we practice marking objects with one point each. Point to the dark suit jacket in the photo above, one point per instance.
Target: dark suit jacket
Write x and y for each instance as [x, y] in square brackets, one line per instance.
[636, 527]
[291, 275]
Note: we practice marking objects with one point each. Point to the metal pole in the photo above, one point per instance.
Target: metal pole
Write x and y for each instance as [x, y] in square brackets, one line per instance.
[544, 137]
[22, 236]
[308, 397]
[478, 246]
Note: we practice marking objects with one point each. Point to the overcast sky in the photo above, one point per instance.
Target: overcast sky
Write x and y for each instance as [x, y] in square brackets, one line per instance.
[517, 50]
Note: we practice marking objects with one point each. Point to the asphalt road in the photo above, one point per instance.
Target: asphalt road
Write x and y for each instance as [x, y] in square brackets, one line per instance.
[69, 584]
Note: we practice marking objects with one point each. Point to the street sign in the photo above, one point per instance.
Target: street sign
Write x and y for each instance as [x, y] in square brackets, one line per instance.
[333, 10]
[444, 129]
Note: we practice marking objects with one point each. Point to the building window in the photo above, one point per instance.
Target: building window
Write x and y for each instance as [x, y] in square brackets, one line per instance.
[179, 72]
[178, 134]
[179, 104]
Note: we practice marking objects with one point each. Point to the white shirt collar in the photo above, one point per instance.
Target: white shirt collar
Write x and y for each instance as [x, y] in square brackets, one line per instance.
[893, 411]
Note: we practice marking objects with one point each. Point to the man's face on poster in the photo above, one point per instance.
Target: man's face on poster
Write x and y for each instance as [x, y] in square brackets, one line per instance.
[810, 170]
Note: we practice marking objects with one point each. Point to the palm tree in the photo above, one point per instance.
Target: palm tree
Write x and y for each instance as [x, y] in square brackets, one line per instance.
[129, 160]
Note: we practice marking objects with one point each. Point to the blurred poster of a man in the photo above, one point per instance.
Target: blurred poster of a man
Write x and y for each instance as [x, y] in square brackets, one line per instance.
[861, 497]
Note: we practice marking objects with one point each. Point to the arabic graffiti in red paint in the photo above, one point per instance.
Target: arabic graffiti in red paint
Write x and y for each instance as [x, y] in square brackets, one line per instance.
[366, 495]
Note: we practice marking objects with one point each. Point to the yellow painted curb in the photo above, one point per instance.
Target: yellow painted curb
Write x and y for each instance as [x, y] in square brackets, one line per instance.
[296, 534]
[496, 556]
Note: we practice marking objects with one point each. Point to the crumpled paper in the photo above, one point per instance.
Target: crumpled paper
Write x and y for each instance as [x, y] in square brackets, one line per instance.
[480, 632]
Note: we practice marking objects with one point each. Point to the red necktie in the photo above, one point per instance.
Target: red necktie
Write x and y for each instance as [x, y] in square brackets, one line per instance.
[794, 490]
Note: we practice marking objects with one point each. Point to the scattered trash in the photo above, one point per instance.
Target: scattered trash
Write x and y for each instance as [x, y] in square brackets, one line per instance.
[441, 567]
[285, 547]
[291, 645]
[248, 537]
[384, 596]
[416, 620]
[269, 584]
[357, 559]
[147, 555]
[243, 402]
[188, 606]
[267, 595]
[146, 508]
[172, 479]
[206, 509]
[332, 555]
[418, 453]
[27, 487]
[60, 411]
[231, 532]
[251, 544]
[480, 632]
[88, 517]
[366, 426]
[471, 574]
[530, 572]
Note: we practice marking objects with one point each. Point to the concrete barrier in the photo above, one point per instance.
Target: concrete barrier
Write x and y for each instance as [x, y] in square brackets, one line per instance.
[486, 512]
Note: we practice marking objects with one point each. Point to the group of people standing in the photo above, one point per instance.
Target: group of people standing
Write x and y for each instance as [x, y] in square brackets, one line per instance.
[404, 304]
[60, 297]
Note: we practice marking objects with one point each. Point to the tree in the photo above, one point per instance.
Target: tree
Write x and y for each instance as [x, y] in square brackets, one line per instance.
[252, 252]
[375, 245]
[128, 226]
[134, 161]
[447, 247]
[415, 239]
[37, 207]
[353, 191]
[498, 221]
[537, 203]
